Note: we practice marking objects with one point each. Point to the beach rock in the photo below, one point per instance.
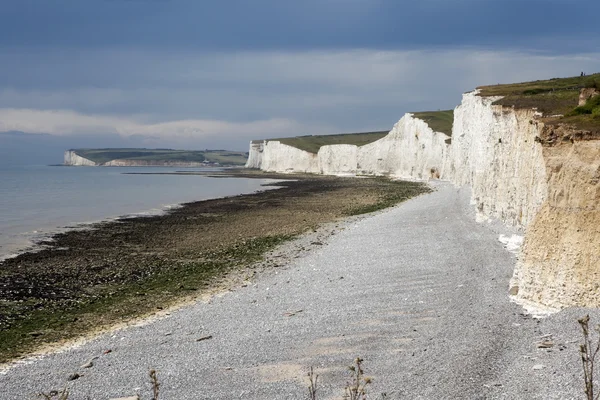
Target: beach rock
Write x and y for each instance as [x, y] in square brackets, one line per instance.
[74, 376]
[546, 344]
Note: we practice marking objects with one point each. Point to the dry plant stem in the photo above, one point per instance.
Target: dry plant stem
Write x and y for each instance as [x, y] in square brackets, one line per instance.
[312, 386]
[356, 389]
[155, 384]
[588, 357]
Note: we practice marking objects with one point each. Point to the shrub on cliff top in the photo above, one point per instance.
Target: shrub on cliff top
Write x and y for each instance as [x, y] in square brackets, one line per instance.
[592, 83]
[592, 106]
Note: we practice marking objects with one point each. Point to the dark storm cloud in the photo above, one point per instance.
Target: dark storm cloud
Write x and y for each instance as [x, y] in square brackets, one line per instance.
[226, 25]
[181, 72]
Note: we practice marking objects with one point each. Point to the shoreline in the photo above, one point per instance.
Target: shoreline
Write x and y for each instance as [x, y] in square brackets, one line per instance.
[421, 286]
[31, 241]
[275, 260]
[91, 280]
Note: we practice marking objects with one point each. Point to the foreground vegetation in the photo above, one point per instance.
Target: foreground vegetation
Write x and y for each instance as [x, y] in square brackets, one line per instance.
[356, 387]
[556, 98]
[89, 280]
[101, 156]
[312, 144]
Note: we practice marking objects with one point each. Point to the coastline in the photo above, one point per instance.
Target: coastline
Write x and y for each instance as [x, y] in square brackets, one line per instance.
[421, 286]
[91, 280]
[68, 209]
[273, 261]
[32, 241]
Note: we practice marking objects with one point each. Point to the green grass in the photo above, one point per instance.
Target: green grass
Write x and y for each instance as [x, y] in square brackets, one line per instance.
[552, 97]
[226, 157]
[438, 121]
[592, 106]
[312, 144]
[539, 87]
[101, 156]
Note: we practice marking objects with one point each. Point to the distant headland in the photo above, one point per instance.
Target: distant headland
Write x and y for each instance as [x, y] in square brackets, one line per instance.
[132, 157]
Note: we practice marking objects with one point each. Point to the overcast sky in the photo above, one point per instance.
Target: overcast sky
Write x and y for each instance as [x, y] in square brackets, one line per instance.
[216, 74]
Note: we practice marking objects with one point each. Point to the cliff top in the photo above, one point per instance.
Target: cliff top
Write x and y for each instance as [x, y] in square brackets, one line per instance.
[101, 156]
[438, 121]
[556, 98]
[312, 144]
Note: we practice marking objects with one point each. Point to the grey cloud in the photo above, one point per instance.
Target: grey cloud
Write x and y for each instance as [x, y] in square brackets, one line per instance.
[344, 90]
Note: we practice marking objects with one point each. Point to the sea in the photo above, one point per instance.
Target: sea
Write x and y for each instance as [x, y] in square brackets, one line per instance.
[37, 201]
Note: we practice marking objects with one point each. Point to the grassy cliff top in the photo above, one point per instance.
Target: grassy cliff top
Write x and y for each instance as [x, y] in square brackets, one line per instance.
[556, 98]
[438, 121]
[312, 144]
[101, 156]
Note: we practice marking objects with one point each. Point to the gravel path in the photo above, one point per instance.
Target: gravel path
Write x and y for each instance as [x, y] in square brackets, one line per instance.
[419, 291]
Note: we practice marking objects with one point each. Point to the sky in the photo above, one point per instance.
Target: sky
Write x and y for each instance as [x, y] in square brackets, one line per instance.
[216, 74]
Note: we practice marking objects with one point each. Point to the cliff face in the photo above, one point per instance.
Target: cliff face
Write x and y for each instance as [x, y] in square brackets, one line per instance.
[278, 157]
[255, 155]
[560, 261]
[540, 179]
[543, 179]
[72, 158]
[339, 159]
[494, 150]
[411, 150]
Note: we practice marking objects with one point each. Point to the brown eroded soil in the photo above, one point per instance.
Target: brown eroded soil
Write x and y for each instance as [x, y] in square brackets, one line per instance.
[561, 255]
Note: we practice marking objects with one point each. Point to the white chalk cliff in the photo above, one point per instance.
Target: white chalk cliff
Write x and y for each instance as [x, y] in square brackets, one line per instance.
[72, 158]
[521, 172]
[275, 156]
[411, 150]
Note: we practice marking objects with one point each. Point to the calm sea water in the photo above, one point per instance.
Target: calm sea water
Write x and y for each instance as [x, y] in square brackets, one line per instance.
[36, 201]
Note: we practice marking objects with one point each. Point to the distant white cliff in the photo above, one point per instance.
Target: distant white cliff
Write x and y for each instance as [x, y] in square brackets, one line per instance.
[72, 158]
[411, 150]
